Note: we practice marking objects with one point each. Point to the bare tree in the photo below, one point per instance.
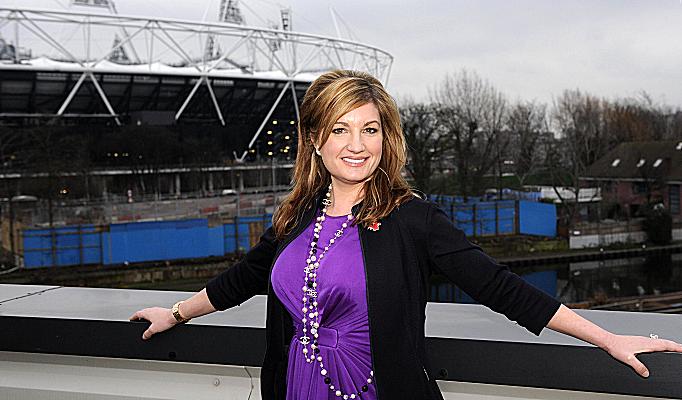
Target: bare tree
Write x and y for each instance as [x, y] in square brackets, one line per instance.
[638, 119]
[427, 142]
[675, 124]
[12, 142]
[579, 118]
[472, 111]
[146, 151]
[527, 122]
[46, 163]
[52, 153]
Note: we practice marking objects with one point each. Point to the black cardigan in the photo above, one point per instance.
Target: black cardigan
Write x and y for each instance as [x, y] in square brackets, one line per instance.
[416, 239]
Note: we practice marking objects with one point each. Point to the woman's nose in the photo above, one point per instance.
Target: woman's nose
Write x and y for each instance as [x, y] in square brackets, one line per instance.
[355, 143]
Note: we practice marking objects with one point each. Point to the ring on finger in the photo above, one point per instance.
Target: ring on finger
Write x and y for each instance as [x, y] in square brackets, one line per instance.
[653, 336]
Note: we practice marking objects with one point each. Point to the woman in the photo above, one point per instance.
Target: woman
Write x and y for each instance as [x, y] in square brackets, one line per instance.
[347, 261]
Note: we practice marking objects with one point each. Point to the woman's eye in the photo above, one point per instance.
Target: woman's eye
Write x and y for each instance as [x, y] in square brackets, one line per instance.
[372, 130]
[338, 131]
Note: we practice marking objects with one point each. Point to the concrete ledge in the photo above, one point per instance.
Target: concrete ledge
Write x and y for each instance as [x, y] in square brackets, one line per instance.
[466, 343]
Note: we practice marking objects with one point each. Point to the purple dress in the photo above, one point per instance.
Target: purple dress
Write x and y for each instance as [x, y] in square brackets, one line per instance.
[342, 305]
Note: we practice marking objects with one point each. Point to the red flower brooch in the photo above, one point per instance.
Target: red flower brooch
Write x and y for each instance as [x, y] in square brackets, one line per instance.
[374, 226]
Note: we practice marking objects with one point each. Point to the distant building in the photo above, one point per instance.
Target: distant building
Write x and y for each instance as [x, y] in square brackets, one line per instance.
[585, 195]
[638, 173]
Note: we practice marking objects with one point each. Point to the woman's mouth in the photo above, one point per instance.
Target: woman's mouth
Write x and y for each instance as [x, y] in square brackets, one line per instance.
[355, 162]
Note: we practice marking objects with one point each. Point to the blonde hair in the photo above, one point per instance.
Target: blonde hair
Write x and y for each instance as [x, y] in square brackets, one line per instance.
[328, 98]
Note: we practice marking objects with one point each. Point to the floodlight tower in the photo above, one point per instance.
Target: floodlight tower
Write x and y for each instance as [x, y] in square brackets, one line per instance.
[120, 55]
[229, 11]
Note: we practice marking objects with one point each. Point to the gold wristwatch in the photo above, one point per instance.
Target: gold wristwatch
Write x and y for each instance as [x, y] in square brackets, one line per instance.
[176, 313]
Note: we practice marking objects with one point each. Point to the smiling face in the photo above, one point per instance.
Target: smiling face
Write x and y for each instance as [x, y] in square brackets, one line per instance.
[353, 150]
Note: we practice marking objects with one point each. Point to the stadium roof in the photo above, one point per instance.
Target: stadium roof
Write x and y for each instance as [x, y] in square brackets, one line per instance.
[44, 64]
[113, 66]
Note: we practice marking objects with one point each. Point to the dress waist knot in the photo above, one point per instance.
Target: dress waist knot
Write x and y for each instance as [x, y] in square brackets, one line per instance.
[328, 337]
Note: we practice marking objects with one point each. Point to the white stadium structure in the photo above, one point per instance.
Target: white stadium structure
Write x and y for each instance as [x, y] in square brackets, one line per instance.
[149, 105]
[89, 63]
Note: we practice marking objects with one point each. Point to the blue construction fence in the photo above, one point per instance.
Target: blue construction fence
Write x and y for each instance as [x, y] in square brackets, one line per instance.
[477, 217]
[136, 242]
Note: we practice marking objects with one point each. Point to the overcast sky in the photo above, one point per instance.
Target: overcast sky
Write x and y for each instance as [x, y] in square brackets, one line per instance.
[530, 50]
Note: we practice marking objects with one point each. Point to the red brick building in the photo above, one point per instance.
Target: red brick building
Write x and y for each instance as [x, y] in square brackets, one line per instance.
[638, 173]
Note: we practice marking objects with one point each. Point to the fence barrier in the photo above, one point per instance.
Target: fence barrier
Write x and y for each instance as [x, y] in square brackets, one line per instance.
[131, 242]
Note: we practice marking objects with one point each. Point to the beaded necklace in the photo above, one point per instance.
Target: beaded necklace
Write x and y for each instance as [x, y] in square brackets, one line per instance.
[310, 290]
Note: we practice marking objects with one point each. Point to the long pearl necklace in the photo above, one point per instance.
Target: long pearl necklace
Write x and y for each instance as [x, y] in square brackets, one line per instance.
[310, 290]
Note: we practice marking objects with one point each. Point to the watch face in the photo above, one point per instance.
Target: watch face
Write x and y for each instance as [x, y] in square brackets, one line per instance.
[176, 312]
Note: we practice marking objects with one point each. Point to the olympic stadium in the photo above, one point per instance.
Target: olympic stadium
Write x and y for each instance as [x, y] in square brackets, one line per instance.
[138, 105]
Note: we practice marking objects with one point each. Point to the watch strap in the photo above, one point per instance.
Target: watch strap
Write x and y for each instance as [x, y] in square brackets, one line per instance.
[176, 313]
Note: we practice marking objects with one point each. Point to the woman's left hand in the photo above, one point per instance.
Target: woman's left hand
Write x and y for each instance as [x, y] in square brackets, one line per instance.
[625, 348]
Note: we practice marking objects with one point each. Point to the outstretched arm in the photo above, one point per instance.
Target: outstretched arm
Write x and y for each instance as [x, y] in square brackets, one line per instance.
[231, 287]
[162, 318]
[622, 348]
[493, 285]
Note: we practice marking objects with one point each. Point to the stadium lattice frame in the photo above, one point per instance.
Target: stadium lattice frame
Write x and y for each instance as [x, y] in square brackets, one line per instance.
[205, 54]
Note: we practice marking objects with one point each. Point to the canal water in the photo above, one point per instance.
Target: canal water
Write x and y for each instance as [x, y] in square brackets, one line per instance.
[590, 280]
[638, 276]
[568, 282]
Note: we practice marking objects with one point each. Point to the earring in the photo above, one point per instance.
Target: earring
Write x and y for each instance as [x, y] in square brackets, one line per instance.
[317, 151]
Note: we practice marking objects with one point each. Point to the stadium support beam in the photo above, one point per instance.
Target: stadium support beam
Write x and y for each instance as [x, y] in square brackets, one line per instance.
[289, 84]
[189, 97]
[174, 46]
[215, 101]
[179, 49]
[8, 19]
[122, 43]
[103, 96]
[314, 52]
[238, 158]
[38, 31]
[68, 99]
[293, 95]
[335, 47]
[272, 109]
[328, 57]
[168, 43]
[388, 73]
[173, 35]
[226, 55]
[272, 56]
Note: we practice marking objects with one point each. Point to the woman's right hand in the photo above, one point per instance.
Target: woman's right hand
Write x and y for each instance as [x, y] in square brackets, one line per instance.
[161, 319]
